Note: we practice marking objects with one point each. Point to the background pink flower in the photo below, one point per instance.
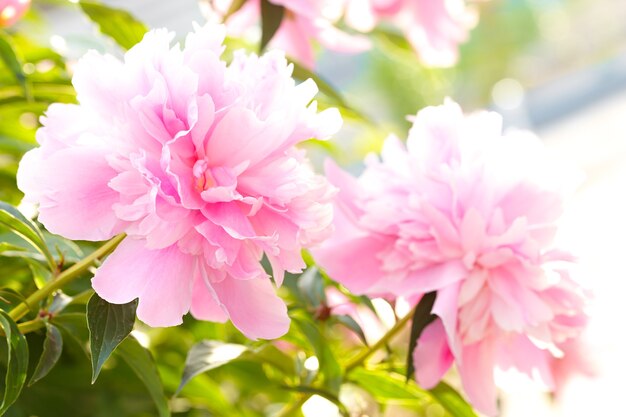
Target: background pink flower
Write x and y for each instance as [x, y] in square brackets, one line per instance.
[471, 214]
[12, 10]
[434, 28]
[304, 22]
[195, 161]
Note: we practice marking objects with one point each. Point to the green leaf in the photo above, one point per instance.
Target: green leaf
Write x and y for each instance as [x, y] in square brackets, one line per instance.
[302, 73]
[11, 218]
[41, 275]
[329, 366]
[452, 401]
[235, 5]
[311, 286]
[17, 361]
[351, 324]
[271, 17]
[422, 317]
[142, 363]
[109, 324]
[322, 393]
[52, 348]
[10, 58]
[118, 24]
[388, 387]
[207, 355]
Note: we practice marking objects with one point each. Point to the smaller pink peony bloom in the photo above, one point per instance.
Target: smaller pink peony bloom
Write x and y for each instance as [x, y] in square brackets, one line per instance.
[196, 162]
[304, 22]
[470, 213]
[12, 10]
[434, 28]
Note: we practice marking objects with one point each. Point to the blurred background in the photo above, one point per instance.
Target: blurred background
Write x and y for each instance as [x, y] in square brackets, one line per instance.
[557, 67]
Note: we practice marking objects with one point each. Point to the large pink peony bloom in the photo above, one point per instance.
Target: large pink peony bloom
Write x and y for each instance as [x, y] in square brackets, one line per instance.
[195, 161]
[304, 22]
[12, 10]
[434, 28]
[470, 214]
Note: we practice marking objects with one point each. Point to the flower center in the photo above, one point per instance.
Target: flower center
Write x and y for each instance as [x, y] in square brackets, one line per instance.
[203, 177]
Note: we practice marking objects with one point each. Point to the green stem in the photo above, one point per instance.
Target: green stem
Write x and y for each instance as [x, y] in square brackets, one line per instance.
[293, 407]
[65, 277]
[31, 326]
[369, 351]
[356, 361]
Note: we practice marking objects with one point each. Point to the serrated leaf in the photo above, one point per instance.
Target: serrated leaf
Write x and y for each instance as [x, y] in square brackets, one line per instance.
[351, 324]
[142, 363]
[271, 18]
[207, 355]
[15, 221]
[52, 348]
[13, 63]
[109, 324]
[17, 361]
[118, 24]
[388, 387]
[422, 317]
[452, 401]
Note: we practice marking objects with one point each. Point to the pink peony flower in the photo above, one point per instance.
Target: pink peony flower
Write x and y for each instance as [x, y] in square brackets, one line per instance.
[195, 161]
[12, 10]
[469, 213]
[303, 22]
[434, 28]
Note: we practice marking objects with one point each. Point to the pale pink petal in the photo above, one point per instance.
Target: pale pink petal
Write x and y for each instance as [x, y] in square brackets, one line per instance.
[432, 357]
[84, 210]
[161, 279]
[253, 307]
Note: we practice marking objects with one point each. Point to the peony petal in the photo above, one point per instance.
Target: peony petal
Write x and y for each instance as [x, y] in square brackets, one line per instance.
[71, 187]
[204, 302]
[161, 279]
[477, 376]
[432, 357]
[253, 307]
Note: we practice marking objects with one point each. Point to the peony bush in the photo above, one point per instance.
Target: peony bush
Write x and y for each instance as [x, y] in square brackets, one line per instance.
[182, 176]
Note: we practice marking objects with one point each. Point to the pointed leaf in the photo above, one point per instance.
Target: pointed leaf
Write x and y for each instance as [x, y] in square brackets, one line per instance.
[302, 73]
[11, 60]
[17, 361]
[15, 221]
[351, 324]
[109, 324]
[452, 401]
[235, 5]
[142, 363]
[52, 348]
[207, 355]
[311, 286]
[421, 318]
[118, 24]
[329, 366]
[388, 387]
[271, 17]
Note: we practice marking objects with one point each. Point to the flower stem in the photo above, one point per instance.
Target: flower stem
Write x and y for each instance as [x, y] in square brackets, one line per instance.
[65, 277]
[369, 351]
[354, 362]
